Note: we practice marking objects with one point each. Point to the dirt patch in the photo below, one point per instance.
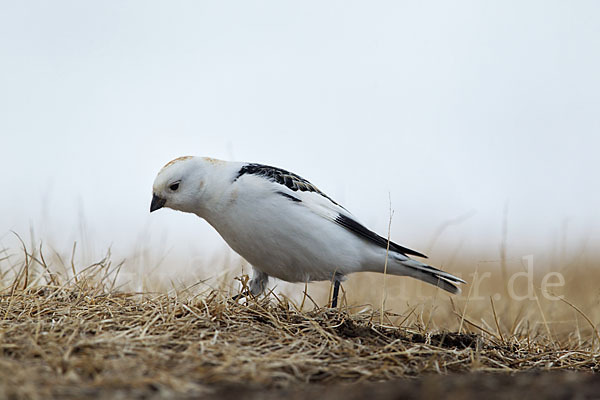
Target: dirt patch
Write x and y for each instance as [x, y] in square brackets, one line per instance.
[559, 386]
[449, 339]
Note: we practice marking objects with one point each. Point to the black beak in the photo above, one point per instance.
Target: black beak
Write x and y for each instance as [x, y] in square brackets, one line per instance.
[157, 202]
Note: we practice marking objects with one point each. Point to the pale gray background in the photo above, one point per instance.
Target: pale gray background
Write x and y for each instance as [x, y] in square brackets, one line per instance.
[448, 108]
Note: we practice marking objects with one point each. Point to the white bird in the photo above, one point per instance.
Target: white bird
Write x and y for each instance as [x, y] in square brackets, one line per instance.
[283, 225]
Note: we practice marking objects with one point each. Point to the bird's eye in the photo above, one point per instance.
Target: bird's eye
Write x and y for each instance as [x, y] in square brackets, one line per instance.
[174, 186]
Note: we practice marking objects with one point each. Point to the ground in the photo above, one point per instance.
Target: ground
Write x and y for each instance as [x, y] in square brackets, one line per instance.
[78, 340]
[453, 386]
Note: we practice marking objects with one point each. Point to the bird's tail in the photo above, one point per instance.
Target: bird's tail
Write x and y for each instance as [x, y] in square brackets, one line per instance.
[426, 273]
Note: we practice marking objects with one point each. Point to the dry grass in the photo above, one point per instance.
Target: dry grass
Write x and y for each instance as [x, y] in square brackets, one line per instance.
[68, 333]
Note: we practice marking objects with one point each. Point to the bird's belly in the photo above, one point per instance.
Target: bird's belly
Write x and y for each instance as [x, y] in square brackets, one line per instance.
[312, 250]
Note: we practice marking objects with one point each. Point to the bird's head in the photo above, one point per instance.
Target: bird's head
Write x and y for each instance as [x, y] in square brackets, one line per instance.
[178, 185]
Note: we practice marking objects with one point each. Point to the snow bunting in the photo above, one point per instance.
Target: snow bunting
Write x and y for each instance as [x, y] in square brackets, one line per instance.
[283, 225]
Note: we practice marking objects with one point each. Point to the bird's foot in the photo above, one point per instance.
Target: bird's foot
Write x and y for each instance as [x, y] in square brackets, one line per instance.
[243, 294]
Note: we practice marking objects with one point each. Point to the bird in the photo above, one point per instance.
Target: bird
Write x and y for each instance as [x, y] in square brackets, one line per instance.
[283, 225]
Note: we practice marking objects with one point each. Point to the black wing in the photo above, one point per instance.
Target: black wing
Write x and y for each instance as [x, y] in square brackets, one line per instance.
[360, 230]
[282, 177]
[297, 183]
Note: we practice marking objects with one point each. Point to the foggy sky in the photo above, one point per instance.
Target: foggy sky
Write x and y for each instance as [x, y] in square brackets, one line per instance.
[447, 109]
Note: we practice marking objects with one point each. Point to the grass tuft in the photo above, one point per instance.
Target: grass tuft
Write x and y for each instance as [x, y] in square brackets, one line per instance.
[69, 333]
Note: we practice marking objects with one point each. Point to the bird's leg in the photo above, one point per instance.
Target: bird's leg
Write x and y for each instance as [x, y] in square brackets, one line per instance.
[259, 282]
[336, 290]
[257, 285]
